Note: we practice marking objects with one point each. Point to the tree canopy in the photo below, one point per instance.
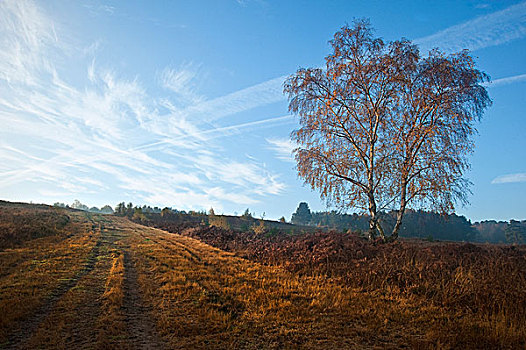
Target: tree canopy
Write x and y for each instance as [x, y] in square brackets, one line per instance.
[385, 128]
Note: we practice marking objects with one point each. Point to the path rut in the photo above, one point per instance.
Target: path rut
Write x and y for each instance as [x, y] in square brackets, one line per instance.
[138, 316]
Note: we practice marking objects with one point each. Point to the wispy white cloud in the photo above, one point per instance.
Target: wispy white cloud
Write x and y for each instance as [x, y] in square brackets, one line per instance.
[24, 37]
[53, 193]
[283, 148]
[482, 6]
[242, 175]
[182, 81]
[91, 49]
[107, 8]
[221, 194]
[72, 139]
[509, 178]
[209, 134]
[244, 3]
[490, 30]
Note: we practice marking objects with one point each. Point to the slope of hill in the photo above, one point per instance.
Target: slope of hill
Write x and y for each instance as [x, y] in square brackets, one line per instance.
[101, 281]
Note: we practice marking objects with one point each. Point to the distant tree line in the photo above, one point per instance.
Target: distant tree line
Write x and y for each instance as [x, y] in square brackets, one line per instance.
[493, 231]
[141, 213]
[419, 223]
[416, 223]
[107, 209]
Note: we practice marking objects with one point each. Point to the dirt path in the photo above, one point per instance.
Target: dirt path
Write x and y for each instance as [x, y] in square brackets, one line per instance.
[139, 322]
[73, 315]
[138, 316]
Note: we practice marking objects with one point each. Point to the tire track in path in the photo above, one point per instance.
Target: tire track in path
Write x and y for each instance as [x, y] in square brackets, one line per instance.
[139, 318]
[138, 315]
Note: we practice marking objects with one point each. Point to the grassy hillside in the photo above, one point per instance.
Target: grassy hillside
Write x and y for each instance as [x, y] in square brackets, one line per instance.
[101, 281]
[175, 222]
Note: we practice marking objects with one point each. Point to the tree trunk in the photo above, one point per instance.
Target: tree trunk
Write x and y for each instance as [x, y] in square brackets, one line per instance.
[396, 228]
[372, 229]
[380, 230]
[401, 211]
[373, 220]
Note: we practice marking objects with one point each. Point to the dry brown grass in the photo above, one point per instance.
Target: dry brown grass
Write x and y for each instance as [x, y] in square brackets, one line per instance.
[458, 295]
[207, 298]
[20, 223]
[117, 284]
[35, 269]
[73, 318]
[111, 323]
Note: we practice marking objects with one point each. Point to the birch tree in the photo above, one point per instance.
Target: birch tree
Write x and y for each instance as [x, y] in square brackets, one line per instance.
[384, 128]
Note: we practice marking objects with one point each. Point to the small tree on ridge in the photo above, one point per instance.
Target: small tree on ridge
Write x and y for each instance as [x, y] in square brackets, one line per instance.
[302, 216]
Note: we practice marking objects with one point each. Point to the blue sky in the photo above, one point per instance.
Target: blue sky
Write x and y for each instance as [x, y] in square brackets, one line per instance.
[179, 103]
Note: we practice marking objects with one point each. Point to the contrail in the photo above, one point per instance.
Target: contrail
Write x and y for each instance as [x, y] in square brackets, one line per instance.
[507, 80]
[13, 176]
[490, 30]
[264, 93]
[168, 141]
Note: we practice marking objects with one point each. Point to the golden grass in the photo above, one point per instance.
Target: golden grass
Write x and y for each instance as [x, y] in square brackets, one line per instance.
[464, 295]
[111, 324]
[207, 298]
[31, 272]
[423, 296]
[73, 318]
[198, 296]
